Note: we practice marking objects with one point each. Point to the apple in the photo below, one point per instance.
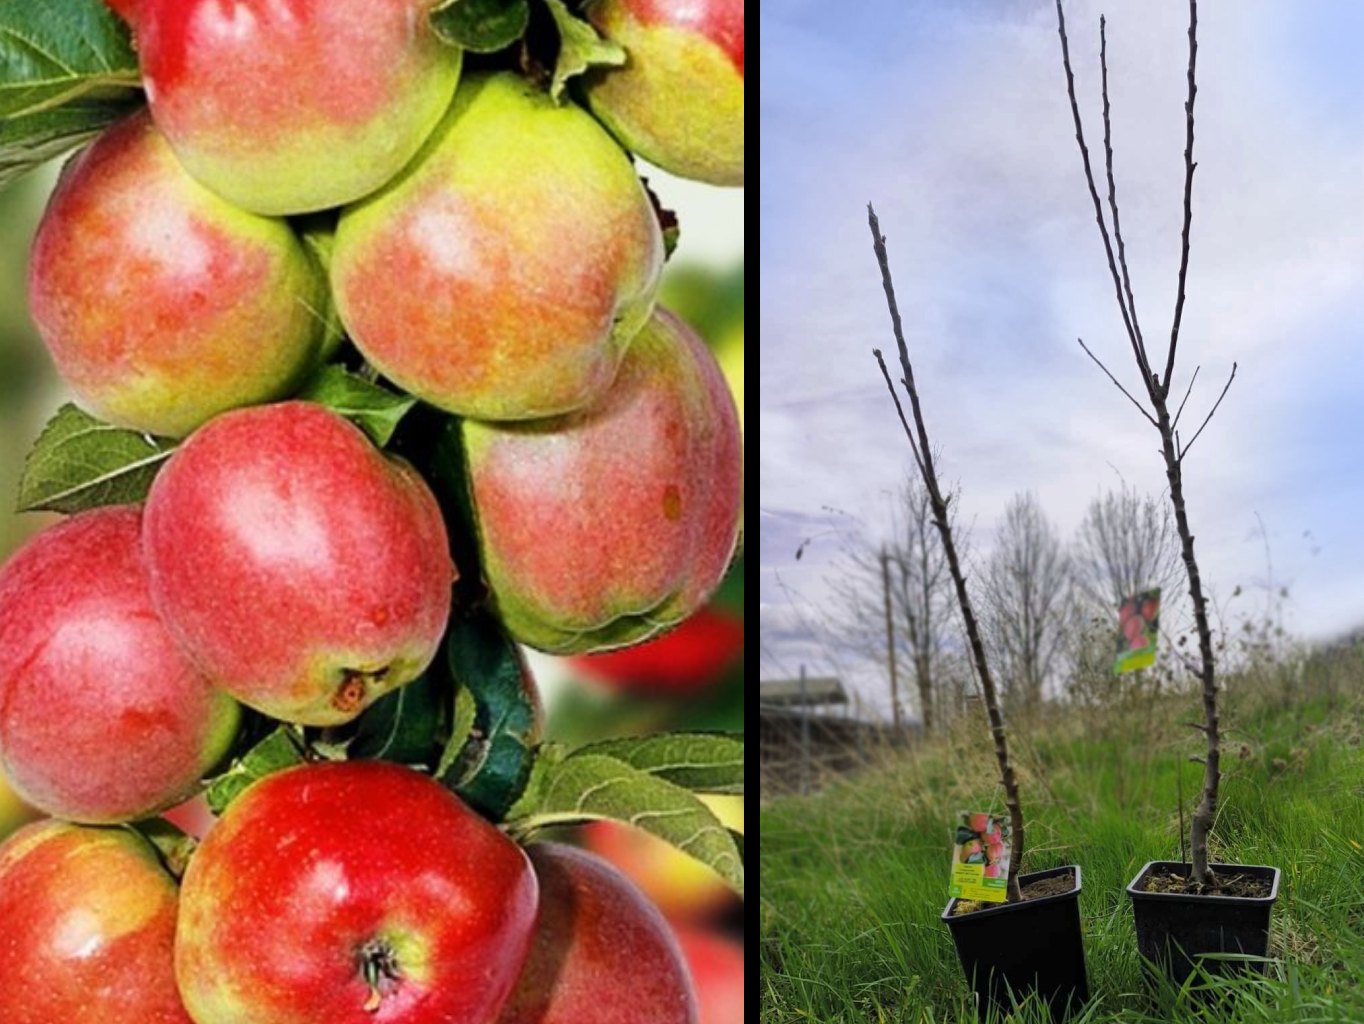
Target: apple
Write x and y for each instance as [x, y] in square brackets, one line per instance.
[688, 659]
[287, 106]
[602, 952]
[163, 305]
[304, 571]
[680, 886]
[102, 717]
[992, 870]
[89, 926]
[717, 972]
[678, 101]
[995, 851]
[978, 823]
[349, 892]
[606, 527]
[504, 273]
[971, 849]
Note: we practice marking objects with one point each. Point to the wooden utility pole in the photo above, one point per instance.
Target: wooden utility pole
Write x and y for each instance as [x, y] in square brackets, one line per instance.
[890, 644]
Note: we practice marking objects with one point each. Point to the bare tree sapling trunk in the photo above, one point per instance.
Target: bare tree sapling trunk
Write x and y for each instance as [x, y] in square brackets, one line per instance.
[923, 458]
[1157, 390]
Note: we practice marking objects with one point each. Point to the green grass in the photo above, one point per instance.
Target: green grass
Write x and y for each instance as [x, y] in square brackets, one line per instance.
[854, 878]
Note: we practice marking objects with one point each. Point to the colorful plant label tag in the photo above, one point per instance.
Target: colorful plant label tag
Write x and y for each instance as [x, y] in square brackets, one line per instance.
[980, 858]
[1138, 627]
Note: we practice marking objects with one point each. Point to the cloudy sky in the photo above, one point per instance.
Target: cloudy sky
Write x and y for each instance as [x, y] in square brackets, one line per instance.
[952, 118]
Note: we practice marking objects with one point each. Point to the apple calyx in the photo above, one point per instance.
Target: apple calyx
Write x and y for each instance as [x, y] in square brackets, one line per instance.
[355, 682]
[379, 967]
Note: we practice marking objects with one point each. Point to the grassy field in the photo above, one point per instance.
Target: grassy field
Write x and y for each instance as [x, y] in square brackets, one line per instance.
[854, 878]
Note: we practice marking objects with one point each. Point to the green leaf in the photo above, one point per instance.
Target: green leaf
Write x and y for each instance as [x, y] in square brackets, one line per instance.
[580, 48]
[461, 728]
[374, 409]
[491, 769]
[58, 52]
[588, 787]
[173, 847]
[483, 26]
[79, 462]
[281, 749]
[444, 466]
[701, 762]
[31, 141]
[399, 726]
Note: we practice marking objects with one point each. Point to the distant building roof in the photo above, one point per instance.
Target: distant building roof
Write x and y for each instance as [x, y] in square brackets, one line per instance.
[789, 692]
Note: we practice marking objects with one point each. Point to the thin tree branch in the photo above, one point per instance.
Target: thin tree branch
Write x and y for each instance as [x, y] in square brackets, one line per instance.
[1189, 166]
[1184, 451]
[1101, 366]
[940, 517]
[1112, 185]
[1180, 410]
[914, 447]
[1137, 348]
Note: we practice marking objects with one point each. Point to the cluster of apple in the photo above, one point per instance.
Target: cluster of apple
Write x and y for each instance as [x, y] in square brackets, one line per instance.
[308, 175]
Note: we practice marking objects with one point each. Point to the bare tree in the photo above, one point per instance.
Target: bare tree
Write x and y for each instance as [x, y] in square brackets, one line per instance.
[912, 569]
[1157, 389]
[923, 459]
[1126, 543]
[1027, 601]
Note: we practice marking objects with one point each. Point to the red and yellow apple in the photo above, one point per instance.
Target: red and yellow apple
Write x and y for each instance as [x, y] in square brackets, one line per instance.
[602, 953]
[349, 893]
[102, 716]
[287, 106]
[163, 305]
[606, 527]
[301, 569]
[89, 928]
[678, 100]
[504, 273]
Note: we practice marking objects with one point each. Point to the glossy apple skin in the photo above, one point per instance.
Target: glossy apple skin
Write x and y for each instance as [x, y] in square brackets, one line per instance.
[688, 659]
[89, 928]
[304, 571]
[678, 101]
[504, 274]
[287, 106]
[717, 971]
[316, 864]
[163, 305]
[102, 717]
[605, 527]
[602, 952]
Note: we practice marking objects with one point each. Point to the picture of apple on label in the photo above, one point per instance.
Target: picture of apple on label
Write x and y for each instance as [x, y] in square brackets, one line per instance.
[980, 858]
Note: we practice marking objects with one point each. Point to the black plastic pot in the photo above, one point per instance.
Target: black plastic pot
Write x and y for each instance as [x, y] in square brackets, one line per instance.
[1174, 928]
[1022, 947]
